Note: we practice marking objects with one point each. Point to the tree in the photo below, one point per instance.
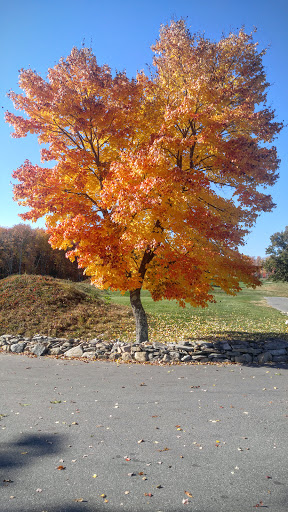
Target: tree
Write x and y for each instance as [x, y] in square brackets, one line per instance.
[277, 263]
[156, 178]
[26, 250]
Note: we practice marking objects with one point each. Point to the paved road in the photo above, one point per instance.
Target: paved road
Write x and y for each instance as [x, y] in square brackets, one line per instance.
[217, 432]
[280, 303]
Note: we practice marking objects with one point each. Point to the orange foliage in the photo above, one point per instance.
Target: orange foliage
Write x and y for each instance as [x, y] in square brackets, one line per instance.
[156, 180]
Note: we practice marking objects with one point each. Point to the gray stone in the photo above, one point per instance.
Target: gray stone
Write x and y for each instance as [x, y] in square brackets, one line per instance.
[39, 350]
[126, 348]
[275, 345]
[185, 348]
[265, 357]
[244, 358]
[113, 356]
[175, 356]
[186, 358]
[216, 355]
[166, 358]
[157, 344]
[225, 346]
[206, 346]
[55, 351]
[140, 356]
[18, 347]
[89, 355]
[74, 352]
[275, 352]
[280, 359]
[126, 356]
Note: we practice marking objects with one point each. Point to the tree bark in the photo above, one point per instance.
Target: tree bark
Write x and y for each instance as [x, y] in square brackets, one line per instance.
[139, 315]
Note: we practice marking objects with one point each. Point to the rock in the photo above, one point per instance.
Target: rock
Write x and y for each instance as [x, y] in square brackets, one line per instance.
[244, 358]
[127, 356]
[265, 357]
[225, 346]
[166, 358]
[39, 349]
[186, 358]
[89, 355]
[126, 348]
[275, 352]
[140, 356]
[200, 357]
[74, 352]
[185, 348]
[175, 355]
[6, 348]
[55, 351]
[18, 347]
[275, 345]
[280, 359]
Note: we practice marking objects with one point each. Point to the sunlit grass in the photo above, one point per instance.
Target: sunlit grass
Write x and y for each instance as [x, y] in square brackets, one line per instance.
[244, 316]
[37, 304]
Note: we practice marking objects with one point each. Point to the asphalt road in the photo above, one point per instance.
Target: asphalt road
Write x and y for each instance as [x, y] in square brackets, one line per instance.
[99, 436]
[280, 303]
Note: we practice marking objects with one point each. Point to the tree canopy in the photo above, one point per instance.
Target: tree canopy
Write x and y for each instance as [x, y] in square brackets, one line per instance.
[277, 262]
[157, 179]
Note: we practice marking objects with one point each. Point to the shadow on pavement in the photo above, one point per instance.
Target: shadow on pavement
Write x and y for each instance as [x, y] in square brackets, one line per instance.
[12, 454]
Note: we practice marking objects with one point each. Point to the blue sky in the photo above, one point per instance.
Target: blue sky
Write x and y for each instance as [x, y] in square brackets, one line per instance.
[37, 34]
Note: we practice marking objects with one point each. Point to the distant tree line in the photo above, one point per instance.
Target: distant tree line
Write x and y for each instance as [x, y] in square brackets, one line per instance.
[276, 264]
[26, 250]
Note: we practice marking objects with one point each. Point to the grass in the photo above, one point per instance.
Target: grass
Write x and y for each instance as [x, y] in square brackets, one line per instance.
[245, 316]
[40, 304]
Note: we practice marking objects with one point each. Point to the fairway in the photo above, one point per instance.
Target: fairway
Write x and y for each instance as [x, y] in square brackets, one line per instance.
[245, 316]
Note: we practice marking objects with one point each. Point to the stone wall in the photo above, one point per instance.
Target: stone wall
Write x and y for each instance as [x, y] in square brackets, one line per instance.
[244, 352]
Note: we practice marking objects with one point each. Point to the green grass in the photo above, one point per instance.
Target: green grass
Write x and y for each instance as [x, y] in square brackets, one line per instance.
[39, 304]
[244, 316]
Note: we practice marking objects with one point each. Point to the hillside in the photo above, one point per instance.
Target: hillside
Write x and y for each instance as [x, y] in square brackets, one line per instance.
[31, 304]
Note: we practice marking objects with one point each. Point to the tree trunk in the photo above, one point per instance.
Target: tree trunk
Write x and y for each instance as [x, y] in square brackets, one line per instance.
[139, 315]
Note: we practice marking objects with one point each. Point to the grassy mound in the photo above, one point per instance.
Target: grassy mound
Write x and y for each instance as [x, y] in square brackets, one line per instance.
[39, 304]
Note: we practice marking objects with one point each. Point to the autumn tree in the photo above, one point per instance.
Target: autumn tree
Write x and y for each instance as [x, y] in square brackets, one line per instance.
[157, 179]
[277, 262]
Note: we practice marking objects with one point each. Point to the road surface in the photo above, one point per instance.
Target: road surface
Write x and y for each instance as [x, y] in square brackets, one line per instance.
[97, 436]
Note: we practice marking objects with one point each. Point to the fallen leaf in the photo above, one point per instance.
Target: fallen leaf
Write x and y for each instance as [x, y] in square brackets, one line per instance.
[8, 480]
[188, 494]
[61, 467]
[127, 492]
[94, 476]
[148, 494]
[79, 500]
[55, 401]
[38, 490]
[185, 501]
[141, 441]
